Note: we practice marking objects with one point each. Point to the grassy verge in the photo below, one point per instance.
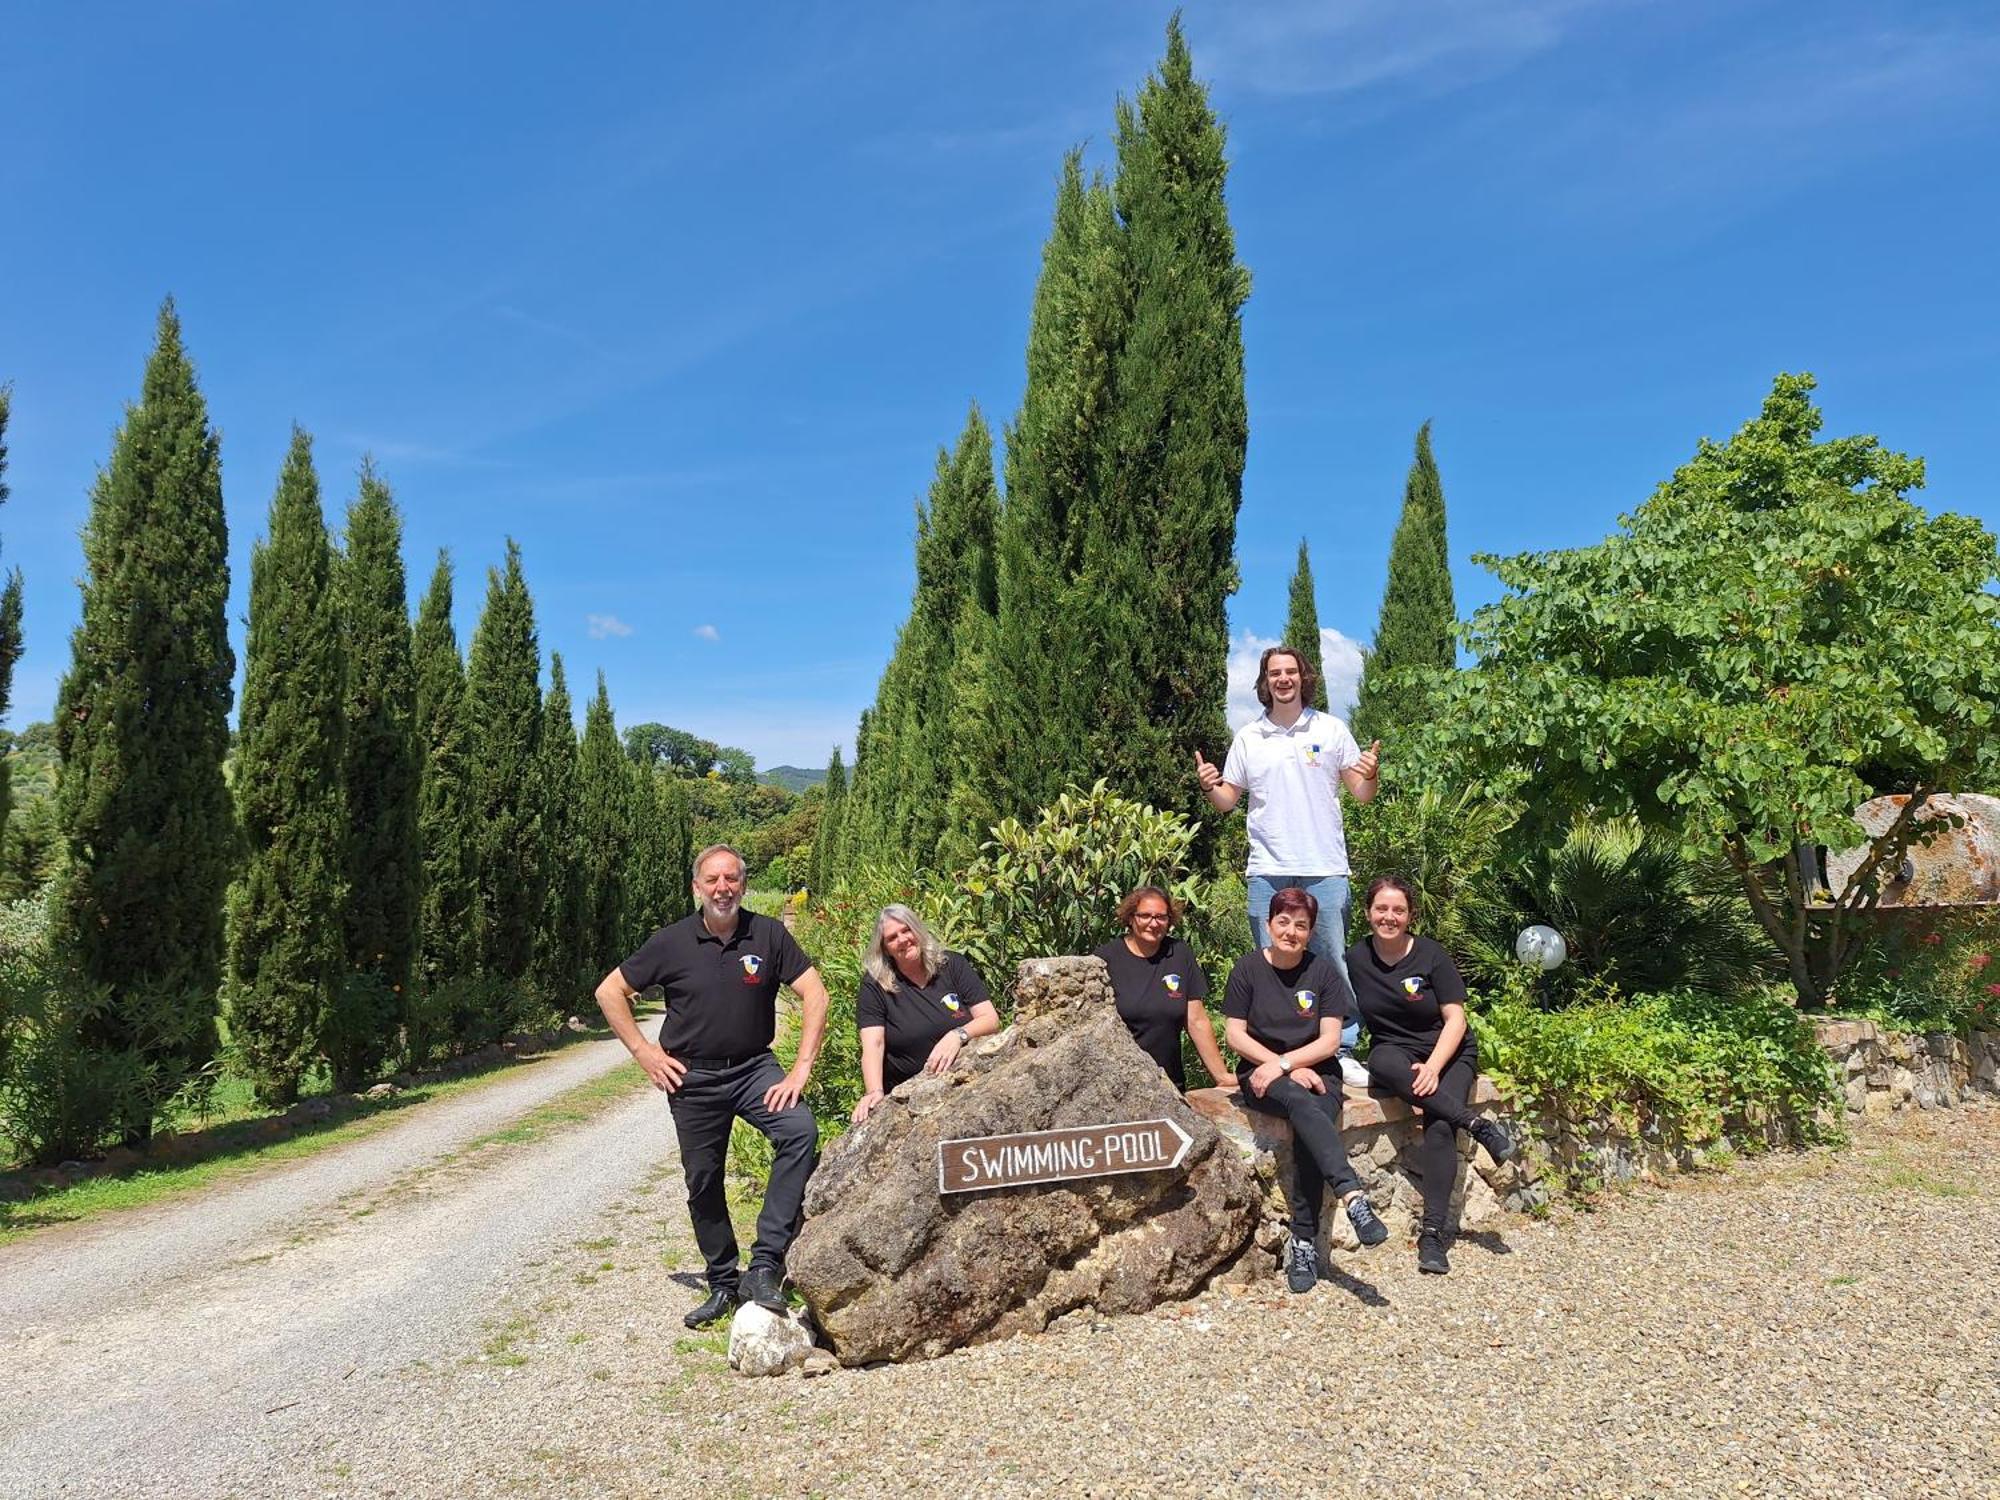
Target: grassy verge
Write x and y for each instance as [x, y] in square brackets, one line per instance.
[237, 1149]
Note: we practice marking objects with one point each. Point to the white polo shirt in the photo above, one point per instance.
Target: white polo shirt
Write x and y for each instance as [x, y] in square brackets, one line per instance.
[1292, 778]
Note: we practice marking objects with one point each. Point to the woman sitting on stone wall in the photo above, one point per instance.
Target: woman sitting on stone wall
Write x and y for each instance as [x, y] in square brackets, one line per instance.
[1413, 1002]
[1285, 1005]
[1160, 988]
[917, 1007]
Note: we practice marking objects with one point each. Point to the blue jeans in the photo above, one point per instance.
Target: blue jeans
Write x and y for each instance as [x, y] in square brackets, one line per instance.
[1329, 932]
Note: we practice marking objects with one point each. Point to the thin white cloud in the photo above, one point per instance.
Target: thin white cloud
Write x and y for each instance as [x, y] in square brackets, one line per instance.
[1306, 47]
[603, 627]
[1341, 657]
[708, 632]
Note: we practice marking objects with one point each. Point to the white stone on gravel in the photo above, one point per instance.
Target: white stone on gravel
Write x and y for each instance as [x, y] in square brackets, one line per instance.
[762, 1342]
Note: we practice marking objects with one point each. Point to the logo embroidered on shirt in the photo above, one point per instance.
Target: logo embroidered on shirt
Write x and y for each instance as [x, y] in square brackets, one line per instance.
[1312, 755]
[1173, 983]
[952, 1003]
[752, 963]
[1413, 986]
[1306, 999]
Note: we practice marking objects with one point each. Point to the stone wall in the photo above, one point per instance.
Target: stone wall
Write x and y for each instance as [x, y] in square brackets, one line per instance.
[1885, 1071]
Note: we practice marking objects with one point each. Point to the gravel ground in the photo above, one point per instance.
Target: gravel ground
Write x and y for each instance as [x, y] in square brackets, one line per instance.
[1803, 1325]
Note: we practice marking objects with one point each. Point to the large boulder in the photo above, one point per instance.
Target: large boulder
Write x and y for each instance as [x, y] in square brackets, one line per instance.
[893, 1268]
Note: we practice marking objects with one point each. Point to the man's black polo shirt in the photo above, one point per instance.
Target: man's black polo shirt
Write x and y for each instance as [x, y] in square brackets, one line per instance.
[722, 993]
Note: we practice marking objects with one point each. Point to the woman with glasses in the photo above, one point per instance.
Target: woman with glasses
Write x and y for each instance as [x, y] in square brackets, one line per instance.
[917, 1007]
[1160, 988]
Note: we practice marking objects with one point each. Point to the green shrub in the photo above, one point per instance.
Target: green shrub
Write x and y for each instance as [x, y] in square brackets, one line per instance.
[1054, 887]
[1683, 1069]
[1928, 970]
[1638, 914]
[462, 1015]
[60, 1095]
[1446, 844]
[360, 1032]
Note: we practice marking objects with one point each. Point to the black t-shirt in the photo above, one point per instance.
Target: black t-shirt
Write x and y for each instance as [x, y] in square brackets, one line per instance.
[722, 993]
[914, 1016]
[1153, 995]
[1285, 1006]
[1404, 1002]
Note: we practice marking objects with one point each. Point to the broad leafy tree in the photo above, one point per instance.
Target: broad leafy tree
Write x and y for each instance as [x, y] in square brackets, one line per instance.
[1778, 634]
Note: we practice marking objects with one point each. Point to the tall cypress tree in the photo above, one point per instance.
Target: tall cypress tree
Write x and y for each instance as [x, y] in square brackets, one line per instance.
[1161, 555]
[903, 780]
[287, 949]
[10, 616]
[448, 904]
[560, 950]
[604, 830]
[142, 726]
[677, 847]
[1302, 623]
[384, 860]
[503, 721]
[824, 871]
[654, 867]
[1042, 668]
[1418, 627]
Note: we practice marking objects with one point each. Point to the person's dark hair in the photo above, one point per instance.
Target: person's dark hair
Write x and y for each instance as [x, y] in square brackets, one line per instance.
[1129, 907]
[1295, 899]
[1383, 883]
[1308, 678]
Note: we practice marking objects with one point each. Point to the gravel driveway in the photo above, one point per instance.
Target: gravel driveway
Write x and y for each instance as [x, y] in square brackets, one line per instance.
[1818, 1324]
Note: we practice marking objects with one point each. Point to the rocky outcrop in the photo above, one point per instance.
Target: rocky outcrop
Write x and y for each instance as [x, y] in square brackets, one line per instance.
[894, 1269]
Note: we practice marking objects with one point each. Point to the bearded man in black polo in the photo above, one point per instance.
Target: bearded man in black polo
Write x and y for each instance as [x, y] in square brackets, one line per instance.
[721, 969]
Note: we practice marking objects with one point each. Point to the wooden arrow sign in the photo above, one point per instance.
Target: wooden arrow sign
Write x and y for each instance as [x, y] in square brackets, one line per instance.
[996, 1161]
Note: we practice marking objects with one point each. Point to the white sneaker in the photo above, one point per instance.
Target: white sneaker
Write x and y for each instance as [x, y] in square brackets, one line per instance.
[1352, 1071]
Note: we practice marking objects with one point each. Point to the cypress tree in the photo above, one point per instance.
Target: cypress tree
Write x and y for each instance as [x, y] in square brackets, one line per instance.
[904, 794]
[657, 855]
[286, 942]
[559, 953]
[448, 904]
[1042, 669]
[383, 764]
[10, 617]
[1418, 627]
[1160, 559]
[677, 848]
[142, 726]
[503, 722]
[1302, 623]
[605, 828]
[826, 841]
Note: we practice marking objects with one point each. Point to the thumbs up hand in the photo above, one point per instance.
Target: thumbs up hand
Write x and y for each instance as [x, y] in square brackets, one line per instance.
[1371, 761]
[1210, 777]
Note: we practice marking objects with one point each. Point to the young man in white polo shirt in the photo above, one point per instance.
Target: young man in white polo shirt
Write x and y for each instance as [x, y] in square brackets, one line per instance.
[1293, 762]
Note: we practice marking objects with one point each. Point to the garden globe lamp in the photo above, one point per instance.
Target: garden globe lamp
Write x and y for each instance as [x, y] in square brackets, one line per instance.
[1541, 947]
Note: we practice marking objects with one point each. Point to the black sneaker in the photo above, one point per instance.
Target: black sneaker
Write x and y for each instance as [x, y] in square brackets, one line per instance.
[720, 1304]
[1499, 1145]
[1367, 1227]
[1430, 1253]
[765, 1287]
[1302, 1266]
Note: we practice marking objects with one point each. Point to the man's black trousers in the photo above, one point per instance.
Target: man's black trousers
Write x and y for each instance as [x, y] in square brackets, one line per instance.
[704, 1106]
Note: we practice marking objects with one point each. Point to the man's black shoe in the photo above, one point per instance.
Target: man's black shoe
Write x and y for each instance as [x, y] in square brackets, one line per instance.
[1499, 1145]
[720, 1304]
[1430, 1253]
[766, 1288]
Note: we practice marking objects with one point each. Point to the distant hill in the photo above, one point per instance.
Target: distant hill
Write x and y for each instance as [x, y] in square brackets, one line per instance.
[794, 779]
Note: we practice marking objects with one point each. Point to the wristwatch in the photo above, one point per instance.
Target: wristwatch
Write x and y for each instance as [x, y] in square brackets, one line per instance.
[1284, 1062]
[962, 1034]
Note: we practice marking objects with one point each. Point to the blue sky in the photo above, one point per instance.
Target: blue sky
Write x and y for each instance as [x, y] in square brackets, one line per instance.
[686, 300]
